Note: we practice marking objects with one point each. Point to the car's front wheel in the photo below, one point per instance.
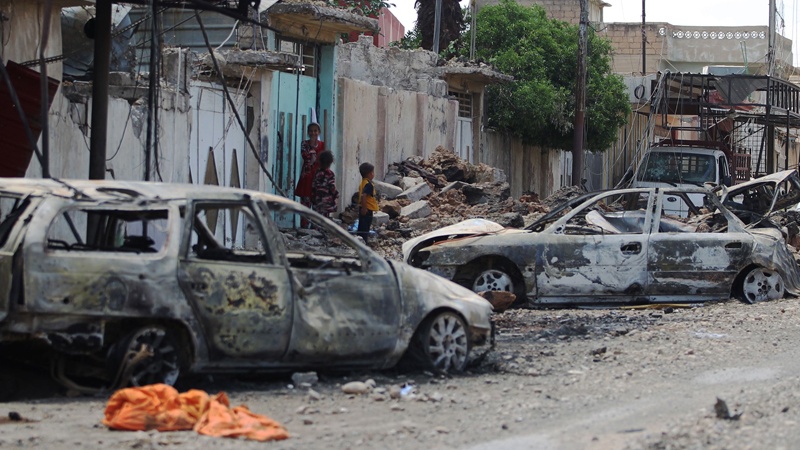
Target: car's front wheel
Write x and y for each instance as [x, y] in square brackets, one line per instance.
[762, 284]
[146, 356]
[442, 343]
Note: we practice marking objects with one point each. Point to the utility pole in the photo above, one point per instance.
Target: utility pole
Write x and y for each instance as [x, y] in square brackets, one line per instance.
[771, 49]
[644, 43]
[102, 62]
[580, 97]
[437, 26]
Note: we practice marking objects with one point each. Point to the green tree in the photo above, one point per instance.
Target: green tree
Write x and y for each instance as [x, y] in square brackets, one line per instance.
[452, 22]
[541, 54]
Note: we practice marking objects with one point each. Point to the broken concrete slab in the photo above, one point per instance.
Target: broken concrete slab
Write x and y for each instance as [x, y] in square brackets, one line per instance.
[416, 193]
[379, 218]
[416, 210]
[407, 183]
[389, 191]
[454, 185]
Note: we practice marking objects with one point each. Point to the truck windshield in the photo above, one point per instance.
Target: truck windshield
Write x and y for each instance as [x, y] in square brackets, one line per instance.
[678, 168]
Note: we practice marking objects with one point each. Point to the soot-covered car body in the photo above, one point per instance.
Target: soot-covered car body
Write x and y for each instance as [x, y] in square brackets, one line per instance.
[139, 282]
[619, 247]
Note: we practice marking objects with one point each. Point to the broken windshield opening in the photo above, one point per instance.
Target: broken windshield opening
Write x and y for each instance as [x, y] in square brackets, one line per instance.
[678, 168]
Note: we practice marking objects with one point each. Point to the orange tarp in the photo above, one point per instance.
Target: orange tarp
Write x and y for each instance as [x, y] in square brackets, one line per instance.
[160, 407]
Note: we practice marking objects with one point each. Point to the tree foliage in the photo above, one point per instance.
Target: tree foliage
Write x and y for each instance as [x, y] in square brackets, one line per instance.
[541, 54]
[452, 22]
[370, 8]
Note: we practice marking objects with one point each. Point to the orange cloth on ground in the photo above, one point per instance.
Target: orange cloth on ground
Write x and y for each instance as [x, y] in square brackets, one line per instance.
[160, 407]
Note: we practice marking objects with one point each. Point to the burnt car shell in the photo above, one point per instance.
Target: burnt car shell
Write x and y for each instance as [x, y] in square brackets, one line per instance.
[203, 278]
[634, 256]
[756, 200]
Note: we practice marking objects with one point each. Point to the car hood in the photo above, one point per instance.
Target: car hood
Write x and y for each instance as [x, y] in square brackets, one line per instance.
[424, 292]
[464, 228]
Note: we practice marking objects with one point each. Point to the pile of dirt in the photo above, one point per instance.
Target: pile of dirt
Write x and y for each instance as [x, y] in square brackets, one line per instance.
[454, 190]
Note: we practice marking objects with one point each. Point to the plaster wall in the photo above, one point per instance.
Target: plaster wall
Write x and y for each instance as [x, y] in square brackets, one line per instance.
[411, 70]
[688, 49]
[125, 144]
[25, 24]
[381, 126]
[530, 168]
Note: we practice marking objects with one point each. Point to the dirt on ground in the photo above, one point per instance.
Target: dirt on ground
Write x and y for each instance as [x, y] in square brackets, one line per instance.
[557, 379]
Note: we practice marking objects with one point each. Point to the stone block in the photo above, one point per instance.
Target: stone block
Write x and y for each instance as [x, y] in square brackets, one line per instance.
[417, 192]
[408, 182]
[379, 218]
[387, 190]
[457, 185]
[416, 210]
[392, 208]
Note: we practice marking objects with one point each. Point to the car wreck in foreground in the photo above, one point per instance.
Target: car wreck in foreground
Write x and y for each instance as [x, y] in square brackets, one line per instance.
[617, 247]
[125, 282]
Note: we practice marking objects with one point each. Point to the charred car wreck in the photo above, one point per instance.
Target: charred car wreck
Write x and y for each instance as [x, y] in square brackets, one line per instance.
[620, 247]
[125, 282]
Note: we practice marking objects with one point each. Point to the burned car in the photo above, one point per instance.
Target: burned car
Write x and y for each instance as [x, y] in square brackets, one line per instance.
[618, 246]
[755, 201]
[119, 282]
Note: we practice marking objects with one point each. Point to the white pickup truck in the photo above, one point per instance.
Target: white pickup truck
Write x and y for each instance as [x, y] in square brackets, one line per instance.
[682, 166]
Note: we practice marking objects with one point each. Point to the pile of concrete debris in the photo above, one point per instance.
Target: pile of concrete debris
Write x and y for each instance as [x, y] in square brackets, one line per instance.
[419, 195]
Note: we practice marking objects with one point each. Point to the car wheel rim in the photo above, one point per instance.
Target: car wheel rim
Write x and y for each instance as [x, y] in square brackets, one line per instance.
[493, 280]
[448, 345]
[761, 285]
[153, 358]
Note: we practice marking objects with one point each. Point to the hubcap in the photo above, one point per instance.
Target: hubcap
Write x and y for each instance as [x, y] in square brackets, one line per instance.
[447, 345]
[493, 280]
[761, 285]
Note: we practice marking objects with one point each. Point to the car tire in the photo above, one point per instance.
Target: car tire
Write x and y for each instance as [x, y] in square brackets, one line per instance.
[490, 275]
[760, 285]
[442, 343]
[148, 355]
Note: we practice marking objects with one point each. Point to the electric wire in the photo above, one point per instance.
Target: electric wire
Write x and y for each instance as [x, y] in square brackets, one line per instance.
[233, 107]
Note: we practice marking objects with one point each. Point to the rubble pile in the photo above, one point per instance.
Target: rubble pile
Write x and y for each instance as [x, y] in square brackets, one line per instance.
[419, 195]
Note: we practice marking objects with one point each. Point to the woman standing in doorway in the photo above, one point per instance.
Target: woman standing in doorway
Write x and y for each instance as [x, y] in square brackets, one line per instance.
[309, 150]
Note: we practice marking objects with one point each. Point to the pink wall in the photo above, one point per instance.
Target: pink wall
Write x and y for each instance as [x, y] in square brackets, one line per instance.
[391, 30]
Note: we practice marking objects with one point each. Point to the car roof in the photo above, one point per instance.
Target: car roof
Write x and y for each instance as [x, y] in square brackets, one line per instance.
[103, 190]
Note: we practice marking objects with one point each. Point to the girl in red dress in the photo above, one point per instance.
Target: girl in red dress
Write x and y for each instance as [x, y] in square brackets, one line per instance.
[309, 150]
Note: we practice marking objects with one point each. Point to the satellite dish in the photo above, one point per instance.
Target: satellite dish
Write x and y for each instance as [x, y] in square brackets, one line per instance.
[77, 34]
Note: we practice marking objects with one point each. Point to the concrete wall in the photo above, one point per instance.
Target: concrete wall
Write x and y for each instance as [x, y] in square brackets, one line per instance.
[390, 105]
[411, 70]
[381, 125]
[25, 25]
[688, 49]
[125, 145]
[529, 168]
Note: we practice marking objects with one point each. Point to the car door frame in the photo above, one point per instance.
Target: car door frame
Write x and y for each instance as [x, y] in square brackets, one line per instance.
[564, 258]
[343, 317]
[695, 266]
[244, 309]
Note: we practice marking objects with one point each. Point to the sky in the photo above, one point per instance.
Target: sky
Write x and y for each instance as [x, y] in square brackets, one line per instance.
[676, 12]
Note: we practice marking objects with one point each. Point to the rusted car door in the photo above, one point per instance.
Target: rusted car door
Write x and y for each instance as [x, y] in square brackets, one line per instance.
[581, 261]
[239, 290]
[687, 265]
[348, 306]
